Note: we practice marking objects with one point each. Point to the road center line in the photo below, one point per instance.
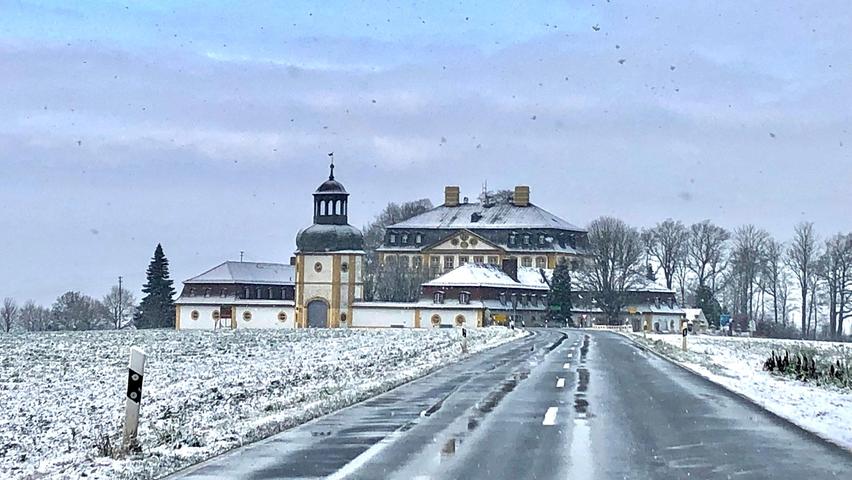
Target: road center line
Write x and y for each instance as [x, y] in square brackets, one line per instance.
[560, 383]
[550, 416]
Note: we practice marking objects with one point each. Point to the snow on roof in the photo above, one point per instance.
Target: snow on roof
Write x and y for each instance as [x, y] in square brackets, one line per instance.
[646, 285]
[486, 275]
[248, 272]
[500, 215]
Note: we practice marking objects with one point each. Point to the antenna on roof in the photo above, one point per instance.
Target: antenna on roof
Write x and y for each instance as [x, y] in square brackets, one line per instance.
[241, 255]
[331, 175]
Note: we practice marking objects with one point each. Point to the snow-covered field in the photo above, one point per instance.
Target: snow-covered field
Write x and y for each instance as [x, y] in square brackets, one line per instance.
[62, 394]
[737, 364]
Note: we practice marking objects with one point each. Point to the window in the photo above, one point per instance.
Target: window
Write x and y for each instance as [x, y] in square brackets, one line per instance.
[541, 239]
[540, 262]
[526, 239]
[526, 262]
[438, 297]
[493, 259]
[403, 261]
[514, 300]
[436, 320]
[464, 298]
[318, 267]
[479, 259]
[215, 315]
[344, 267]
[247, 316]
[502, 298]
[657, 302]
[343, 317]
[206, 292]
[462, 260]
[524, 299]
[416, 262]
[223, 292]
[534, 300]
[392, 238]
[459, 320]
[194, 315]
[404, 238]
[282, 317]
[418, 238]
[512, 238]
[191, 292]
[246, 293]
[449, 263]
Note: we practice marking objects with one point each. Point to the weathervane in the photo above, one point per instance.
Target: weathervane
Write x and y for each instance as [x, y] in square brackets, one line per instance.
[331, 175]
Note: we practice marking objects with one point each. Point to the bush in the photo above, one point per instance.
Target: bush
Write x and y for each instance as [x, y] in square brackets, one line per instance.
[776, 330]
[805, 366]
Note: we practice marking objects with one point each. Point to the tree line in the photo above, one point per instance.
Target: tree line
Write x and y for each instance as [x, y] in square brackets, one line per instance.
[118, 309]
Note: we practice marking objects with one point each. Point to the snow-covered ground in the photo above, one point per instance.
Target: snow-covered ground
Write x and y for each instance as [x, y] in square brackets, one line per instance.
[737, 364]
[61, 394]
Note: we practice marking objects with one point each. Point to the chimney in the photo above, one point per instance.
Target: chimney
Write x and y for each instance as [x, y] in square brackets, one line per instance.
[292, 260]
[451, 196]
[521, 197]
[510, 268]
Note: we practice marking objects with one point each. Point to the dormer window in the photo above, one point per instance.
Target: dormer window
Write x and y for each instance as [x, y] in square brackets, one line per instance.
[438, 297]
[534, 300]
[191, 292]
[404, 238]
[392, 238]
[541, 239]
[524, 299]
[246, 293]
[502, 298]
[418, 238]
[526, 239]
[512, 238]
[464, 298]
[657, 302]
[223, 292]
[257, 292]
[206, 292]
[514, 300]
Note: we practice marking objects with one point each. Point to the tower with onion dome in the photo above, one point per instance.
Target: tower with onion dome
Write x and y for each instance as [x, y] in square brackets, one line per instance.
[329, 261]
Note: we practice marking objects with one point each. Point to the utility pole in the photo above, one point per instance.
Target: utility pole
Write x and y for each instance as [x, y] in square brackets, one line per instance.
[118, 320]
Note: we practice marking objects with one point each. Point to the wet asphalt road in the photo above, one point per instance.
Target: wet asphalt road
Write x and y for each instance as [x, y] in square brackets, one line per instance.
[559, 404]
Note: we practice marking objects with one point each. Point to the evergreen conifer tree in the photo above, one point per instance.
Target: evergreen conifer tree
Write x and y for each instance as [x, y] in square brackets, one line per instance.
[157, 309]
[559, 300]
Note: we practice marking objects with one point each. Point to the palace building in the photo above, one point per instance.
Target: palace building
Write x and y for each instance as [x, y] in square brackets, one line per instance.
[490, 262]
[485, 232]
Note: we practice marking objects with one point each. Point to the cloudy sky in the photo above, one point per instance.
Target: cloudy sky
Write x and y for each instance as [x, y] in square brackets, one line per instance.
[205, 126]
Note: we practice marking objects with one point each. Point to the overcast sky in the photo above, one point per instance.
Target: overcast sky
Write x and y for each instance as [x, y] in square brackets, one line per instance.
[205, 126]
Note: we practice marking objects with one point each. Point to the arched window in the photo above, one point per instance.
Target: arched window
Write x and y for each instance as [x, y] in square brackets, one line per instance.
[338, 208]
[436, 320]
[257, 292]
[322, 207]
[502, 298]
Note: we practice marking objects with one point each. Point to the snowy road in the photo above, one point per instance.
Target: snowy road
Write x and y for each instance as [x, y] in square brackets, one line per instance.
[569, 404]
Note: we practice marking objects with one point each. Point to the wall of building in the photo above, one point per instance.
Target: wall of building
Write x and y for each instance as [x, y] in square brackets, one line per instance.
[262, 317]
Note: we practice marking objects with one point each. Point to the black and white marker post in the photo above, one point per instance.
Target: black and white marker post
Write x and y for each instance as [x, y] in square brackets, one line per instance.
[684, 338]
[464, 340]
[134, 397]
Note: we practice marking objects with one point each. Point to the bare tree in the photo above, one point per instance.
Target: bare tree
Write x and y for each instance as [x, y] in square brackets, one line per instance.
[615, 251]
[747, 263]
[682, 276]
[835, 269]
[666, 244]
[706, 251]
[9, 313]
[374, 235]
[75, 311]
[801, 257]
[34, 318]
[121, 306]
[775, 278]
[397, 281]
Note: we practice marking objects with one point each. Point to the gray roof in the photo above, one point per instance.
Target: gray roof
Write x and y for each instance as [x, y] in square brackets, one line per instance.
[248, 272]
[500, 215]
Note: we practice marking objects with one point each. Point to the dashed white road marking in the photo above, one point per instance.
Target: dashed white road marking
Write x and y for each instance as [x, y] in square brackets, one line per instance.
[560, 383]
[550, 416]
[566, 366]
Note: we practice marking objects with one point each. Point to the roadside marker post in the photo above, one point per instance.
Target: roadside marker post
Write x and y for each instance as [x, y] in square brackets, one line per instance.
[464, 340]
[684, 339]
[135, 373]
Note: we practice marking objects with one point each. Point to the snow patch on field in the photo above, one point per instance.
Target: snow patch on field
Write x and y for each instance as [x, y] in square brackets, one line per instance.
[737, 364]
[204, 392]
